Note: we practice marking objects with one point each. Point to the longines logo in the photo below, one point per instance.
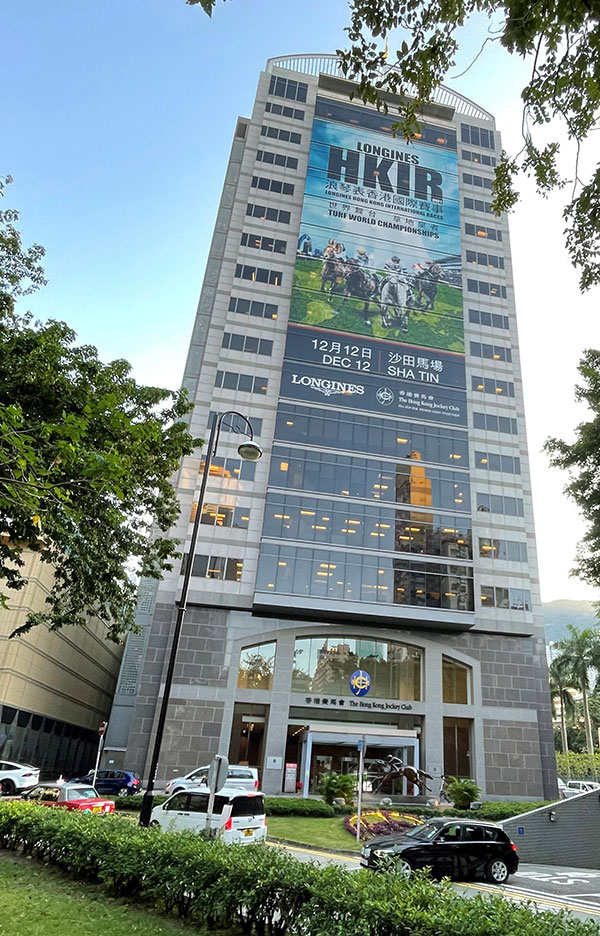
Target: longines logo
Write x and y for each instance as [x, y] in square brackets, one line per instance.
[325, 386]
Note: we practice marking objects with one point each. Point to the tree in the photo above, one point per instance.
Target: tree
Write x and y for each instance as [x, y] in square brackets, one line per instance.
[579, 654]
[562, 697]
[86, 455]
[562, 40]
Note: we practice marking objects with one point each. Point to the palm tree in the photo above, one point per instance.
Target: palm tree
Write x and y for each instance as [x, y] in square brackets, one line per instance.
[561, 694]
[579, 654]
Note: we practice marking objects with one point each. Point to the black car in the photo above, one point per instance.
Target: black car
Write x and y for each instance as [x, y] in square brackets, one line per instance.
[455, 848]
[113, 782]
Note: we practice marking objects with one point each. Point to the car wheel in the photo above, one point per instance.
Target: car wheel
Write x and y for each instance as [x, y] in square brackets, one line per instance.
[7, 787]
[403, 867]
[124, 791]
[497, 871]
[154, 825]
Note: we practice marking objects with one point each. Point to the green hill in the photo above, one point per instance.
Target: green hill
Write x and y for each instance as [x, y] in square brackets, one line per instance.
[559, 613]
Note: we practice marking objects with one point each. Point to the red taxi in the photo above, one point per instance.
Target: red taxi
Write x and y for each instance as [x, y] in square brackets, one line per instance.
[78, 796]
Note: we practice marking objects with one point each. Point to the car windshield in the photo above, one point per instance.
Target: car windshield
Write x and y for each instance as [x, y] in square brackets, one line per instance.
[82, 793]
[424, 832]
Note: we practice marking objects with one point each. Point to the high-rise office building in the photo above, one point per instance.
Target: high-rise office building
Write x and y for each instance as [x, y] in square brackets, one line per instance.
[374, 574]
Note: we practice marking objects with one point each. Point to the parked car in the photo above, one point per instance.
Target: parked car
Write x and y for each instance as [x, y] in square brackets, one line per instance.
[113, 782]
[14, 778]
[582, 786]
[238, 815]
[564, 792]
[74, 796]
[242, 778]
[455, 848]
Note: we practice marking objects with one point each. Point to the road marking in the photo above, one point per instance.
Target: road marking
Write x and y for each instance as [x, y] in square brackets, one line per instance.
[523, 896]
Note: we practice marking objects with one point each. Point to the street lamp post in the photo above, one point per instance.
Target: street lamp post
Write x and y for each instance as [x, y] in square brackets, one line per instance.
[249, 451]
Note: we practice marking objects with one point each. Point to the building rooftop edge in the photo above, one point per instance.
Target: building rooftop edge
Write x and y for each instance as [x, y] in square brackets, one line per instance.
[314, 64]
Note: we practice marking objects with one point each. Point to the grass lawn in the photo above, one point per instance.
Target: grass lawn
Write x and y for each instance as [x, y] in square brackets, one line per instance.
[322, 833]
[39, 901]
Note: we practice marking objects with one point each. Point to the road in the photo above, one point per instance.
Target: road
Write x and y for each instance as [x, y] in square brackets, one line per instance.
[549, 887]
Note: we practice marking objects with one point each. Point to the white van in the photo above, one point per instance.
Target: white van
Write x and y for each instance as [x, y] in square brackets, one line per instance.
[238, 816]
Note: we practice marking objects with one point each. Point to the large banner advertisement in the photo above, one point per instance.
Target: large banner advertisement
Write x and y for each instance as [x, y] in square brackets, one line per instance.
[379, 246]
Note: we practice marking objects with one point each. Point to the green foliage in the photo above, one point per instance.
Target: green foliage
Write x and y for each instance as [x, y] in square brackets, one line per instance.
[257, 890]
[462, 792]
[337, 786]
[582, 766]
[288, 806]
[20, 269]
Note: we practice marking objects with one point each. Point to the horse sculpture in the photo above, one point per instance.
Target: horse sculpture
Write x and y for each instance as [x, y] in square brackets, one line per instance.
[426, 285]
[393, 768]
[395, 295]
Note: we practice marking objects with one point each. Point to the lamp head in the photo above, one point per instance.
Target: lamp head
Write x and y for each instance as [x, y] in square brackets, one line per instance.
[250, 451]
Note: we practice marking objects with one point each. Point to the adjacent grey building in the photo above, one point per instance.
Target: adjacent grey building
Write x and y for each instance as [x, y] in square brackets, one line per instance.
[374, 575]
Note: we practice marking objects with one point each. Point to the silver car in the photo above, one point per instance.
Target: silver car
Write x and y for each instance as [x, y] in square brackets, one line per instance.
[238, 776]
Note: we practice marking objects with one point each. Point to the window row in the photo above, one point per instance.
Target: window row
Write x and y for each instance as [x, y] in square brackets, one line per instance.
[287, 88]
[482, 158]
[403, 483]
[492, 461]
[272, 185]
[371, 434]
[355, 577]
[215, 567]
[491, 352]
[510, 550]
[492, 385]
[267, 214]
[487, 421]
[477, 136]
[488, 260]
[277, 133]
[277, 159]
[233, 423]
[235, 342]
[263, 242]
[230, 468]
[249, 307]
[366, 526]
[483, 288]
[475, 204]
[245, 383]
[489, 319]
[517, 599]
[479, 181]
[258, 274]
[498, 503]
[283, 111]
[376, 120]
[222, 515]
[477, 230]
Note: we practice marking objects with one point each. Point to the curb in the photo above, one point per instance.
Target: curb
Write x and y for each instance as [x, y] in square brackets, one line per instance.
[321, 848]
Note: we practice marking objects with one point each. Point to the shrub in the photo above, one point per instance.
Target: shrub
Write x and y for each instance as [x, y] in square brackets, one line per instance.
[462, 792]
[134, 803]
[334, 786]
[281, 806]
[578, 766]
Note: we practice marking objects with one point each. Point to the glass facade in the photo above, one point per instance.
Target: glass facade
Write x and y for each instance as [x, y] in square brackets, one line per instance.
[456, 682]
[256, 667]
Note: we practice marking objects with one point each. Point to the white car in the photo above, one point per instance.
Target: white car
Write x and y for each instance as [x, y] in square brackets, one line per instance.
[14, 778]
[238, 816]
[242, 778]
[582, 786]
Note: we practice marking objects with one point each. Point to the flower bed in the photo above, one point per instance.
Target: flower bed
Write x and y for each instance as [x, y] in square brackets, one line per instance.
[381, 822]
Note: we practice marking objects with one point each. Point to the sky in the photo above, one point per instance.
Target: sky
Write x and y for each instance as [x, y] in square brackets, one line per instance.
[117, 122]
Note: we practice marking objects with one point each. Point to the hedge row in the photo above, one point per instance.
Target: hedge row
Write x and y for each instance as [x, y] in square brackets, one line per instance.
[578, 766]
[257, 890]
[274, 806]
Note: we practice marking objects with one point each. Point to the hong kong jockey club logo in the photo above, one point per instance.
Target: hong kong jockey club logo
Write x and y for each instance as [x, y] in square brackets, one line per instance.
[384, 396]
[359, 682]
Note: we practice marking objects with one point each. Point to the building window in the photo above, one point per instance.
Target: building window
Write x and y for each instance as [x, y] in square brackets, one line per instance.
[476, 204]
[478, 230]
[215, 567]
[263, 213]
[287, 88]
[456, 682]
[224, 515]
[493, 386]
[233, 424]
[515, 599]
[249, 307]
[277, 159]
[234, 342]
[230, 468]
[488, 260]
[256, 667]
[497, 503]
[494, 461]
[494, 290]
[490, 423]
[491, 352]
[277, 133]
[477, 136]
[245, 383]
[508, 550]
[258, 274]
[489, 319]
[282, 111]
[325, 665]
[263, 242]
[481, 158]
[477, 180]
[272, 185]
